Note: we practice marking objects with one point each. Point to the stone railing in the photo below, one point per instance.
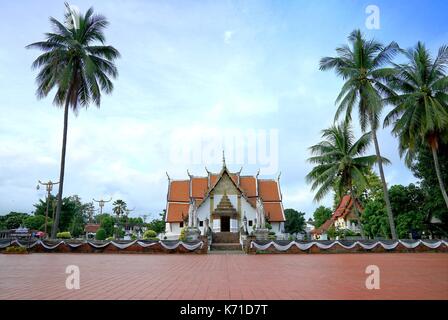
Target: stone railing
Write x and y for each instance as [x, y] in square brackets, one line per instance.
[120, 246]
[345, 246]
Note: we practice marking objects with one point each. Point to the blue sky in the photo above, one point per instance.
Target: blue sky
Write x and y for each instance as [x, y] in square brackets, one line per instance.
[189, 70]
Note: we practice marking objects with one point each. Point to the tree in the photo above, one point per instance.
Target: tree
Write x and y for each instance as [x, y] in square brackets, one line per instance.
[420, 113]
[374, 220]
[158, 225]
[13, 220]
[295, 221]
[100, 234]
[361, 66]
[434, 202]
[340, 163]
[36, 222]
[73, 214]
[78, 65]
[408, 202]
[119, 207]
[320, 215]
[107, 223]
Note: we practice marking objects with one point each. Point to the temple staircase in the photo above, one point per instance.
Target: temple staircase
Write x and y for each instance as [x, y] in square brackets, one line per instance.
[226, 242]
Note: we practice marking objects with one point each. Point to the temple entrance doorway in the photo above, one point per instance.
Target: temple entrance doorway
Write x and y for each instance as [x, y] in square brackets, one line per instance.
[225, 224]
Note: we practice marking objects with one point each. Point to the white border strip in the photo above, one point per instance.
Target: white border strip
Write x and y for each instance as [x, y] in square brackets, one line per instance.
[306, 246]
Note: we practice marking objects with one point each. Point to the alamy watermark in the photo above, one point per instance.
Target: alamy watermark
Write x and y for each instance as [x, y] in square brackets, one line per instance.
[373, 18]
[373, 280]
[251, 146]
[72, 282]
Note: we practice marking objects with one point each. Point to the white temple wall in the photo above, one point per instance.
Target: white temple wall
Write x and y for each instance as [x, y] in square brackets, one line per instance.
[250, 213]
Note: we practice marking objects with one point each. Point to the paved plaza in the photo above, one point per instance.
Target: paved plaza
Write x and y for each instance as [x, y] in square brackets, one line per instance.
[139, 276]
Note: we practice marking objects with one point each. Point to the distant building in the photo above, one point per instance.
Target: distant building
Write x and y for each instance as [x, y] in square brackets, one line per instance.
[90, 230]
[343, 218]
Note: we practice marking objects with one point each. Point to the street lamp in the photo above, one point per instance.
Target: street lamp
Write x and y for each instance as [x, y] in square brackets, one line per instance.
[101, 204]
[49, 186]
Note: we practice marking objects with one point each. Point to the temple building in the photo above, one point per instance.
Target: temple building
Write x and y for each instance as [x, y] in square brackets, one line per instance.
[225, 202]
[343, 218]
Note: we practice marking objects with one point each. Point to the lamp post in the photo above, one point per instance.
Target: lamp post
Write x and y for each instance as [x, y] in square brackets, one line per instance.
[90, 213]
[49, 186]
[127, 212]
[101, 204]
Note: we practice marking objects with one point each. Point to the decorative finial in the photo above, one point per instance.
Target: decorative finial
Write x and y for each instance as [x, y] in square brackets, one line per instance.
[279, 175]
[167, 175]
[223, 159]
[188, 172]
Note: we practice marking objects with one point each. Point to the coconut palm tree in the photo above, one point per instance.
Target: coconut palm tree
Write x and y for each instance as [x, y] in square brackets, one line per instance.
[361, 65]
[340, 163]
[120, 207]
[420, 113]
[78, 64]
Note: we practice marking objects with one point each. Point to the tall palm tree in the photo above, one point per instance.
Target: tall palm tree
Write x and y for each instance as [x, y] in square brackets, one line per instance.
[120, 207]
[361, 65]
[420, 113]
[340, 163]
[78, 65]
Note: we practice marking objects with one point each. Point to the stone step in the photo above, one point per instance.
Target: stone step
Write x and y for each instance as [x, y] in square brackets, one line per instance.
[225, 237]
[227, 252]
[225, 247]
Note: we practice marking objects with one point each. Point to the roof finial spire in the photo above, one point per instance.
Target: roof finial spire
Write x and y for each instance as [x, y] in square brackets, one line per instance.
[223, 159]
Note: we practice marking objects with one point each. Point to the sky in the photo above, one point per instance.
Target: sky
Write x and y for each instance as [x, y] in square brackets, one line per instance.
[195, 77]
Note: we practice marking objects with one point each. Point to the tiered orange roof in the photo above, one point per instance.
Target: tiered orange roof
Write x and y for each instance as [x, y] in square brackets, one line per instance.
[344, 208]
[181, 191]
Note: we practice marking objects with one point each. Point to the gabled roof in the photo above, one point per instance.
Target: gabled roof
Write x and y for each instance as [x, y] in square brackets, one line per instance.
[268, 190]
[344, 208]
[178, 211]
[249, 185]
[180, 191]
[91, 227]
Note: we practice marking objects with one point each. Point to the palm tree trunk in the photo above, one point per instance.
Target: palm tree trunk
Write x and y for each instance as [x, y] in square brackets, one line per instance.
[385, 191]
[439, 175]
[61, 174]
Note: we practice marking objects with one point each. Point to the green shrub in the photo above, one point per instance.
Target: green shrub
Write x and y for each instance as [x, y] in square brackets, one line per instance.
[268, 226]
[153, 239]
[149, 234]
[100, 234]
[183, 236]
[133, 237]
[272, 237]
[16, 249]
[271, 233]
[110, 238]
[63, 235]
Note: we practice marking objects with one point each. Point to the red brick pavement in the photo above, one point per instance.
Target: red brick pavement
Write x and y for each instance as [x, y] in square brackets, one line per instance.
[317, 276]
